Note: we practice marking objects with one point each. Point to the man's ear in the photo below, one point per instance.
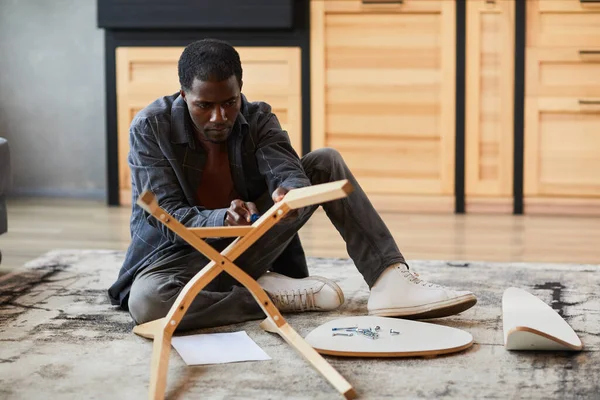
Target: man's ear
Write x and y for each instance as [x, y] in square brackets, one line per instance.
[182, 93]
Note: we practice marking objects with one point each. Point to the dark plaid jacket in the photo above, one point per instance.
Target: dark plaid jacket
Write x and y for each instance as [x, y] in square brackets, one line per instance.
[166, 159]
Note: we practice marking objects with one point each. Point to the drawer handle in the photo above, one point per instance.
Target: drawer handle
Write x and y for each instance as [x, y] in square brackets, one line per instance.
[588, 52]
[589, 102]
[385, 1]
[589, 1]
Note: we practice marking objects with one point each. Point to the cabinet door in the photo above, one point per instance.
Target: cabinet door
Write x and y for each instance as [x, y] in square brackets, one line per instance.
[562, 107]
[271, 74]
[563, 23]
[383, 87]
[563, 72]
[562, 148]
[489, 105]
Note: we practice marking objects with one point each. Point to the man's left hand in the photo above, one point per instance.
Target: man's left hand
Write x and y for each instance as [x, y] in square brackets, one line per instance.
[277, 196]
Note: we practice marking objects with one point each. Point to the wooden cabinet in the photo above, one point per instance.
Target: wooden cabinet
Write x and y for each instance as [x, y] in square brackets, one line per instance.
[270, 74]
[562, 106]
[564, 153]
[564, 72]
[383, 95]
[562, 23]
[489, 107]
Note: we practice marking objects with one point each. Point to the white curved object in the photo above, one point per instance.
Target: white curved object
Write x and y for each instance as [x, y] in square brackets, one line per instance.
[530, 324]
[414, 340]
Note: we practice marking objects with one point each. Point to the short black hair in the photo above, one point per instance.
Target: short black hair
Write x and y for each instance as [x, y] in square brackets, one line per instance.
[208, 60]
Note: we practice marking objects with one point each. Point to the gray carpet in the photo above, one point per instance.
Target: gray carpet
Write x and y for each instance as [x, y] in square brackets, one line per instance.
[61, 339]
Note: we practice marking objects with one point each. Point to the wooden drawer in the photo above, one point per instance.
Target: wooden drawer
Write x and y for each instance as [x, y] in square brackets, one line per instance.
[562, 147]
[382, 92]
[563, 72]
[566, 6]
[271, 74]
[563, 23]
[366, 6]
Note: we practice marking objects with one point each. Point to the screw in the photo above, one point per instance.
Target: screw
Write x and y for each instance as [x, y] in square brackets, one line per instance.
[369, 334]
[345, 329]
[342, 334]
[377, 328]
[393, 332]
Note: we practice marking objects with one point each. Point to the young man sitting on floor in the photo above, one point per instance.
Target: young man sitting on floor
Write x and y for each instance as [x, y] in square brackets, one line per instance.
[212, 158]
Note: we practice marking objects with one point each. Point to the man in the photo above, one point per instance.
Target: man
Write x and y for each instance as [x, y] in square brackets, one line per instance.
[213, 159]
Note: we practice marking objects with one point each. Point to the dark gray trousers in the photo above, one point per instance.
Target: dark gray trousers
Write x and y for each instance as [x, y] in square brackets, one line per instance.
[368, 241]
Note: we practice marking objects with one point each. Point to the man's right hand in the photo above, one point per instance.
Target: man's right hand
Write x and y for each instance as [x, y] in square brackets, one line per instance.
[239, 213]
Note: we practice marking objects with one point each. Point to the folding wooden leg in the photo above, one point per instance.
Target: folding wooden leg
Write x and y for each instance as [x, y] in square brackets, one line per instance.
[162, 330]
[311, 355]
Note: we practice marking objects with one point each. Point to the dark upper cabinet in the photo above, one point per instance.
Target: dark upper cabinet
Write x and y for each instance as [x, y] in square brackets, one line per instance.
[195, 14]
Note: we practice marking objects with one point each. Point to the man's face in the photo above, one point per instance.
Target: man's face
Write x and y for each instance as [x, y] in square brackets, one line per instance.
[213, 107]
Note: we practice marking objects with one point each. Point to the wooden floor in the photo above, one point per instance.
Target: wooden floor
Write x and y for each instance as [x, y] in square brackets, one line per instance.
[39, 225]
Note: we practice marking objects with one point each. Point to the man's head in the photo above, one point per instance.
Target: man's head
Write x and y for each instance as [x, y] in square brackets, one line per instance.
[210, 75]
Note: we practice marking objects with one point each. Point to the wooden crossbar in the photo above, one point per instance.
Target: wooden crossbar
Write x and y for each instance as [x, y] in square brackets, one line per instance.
[225, 231]
[161, 330]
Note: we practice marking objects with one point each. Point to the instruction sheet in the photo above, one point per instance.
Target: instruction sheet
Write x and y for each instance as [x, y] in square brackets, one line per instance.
[218, 348]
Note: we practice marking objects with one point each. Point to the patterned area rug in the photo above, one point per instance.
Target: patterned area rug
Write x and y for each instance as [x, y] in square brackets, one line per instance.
[62, 339]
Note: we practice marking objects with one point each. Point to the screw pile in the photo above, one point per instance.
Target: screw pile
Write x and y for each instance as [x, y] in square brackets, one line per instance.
[371, 333]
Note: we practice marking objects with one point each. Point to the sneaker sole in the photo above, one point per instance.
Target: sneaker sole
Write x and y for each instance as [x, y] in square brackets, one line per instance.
[433, 310]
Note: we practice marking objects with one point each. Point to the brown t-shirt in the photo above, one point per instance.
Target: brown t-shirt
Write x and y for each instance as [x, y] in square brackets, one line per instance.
[216, 186]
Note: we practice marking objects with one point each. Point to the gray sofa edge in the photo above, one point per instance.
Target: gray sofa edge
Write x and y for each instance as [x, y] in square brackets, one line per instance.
[5, 181]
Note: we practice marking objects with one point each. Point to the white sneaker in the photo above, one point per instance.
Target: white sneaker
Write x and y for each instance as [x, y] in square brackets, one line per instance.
[314, 293]
[399, 293]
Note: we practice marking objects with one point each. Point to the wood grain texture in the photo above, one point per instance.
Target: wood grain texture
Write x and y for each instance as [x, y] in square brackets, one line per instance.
[150, 329]
[316, 360]
[162, 331]
[406, 6]
[562, 107]
[317, 194]
[562, 146]
[489, 103]
[317, 74]
[560, 72]
[271, 74]
[223, 231]
[384, 97]
[161, 349]
[489, 205]
[567, 206]
[562, 23]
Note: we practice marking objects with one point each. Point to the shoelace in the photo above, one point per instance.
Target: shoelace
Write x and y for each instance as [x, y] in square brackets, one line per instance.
[413, 277]
[295, 300]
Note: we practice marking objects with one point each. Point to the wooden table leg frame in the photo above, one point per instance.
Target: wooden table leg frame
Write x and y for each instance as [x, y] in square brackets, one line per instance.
[161, 330]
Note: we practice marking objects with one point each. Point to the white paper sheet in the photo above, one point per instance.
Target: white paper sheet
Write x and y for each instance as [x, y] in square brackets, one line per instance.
[218, 348]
